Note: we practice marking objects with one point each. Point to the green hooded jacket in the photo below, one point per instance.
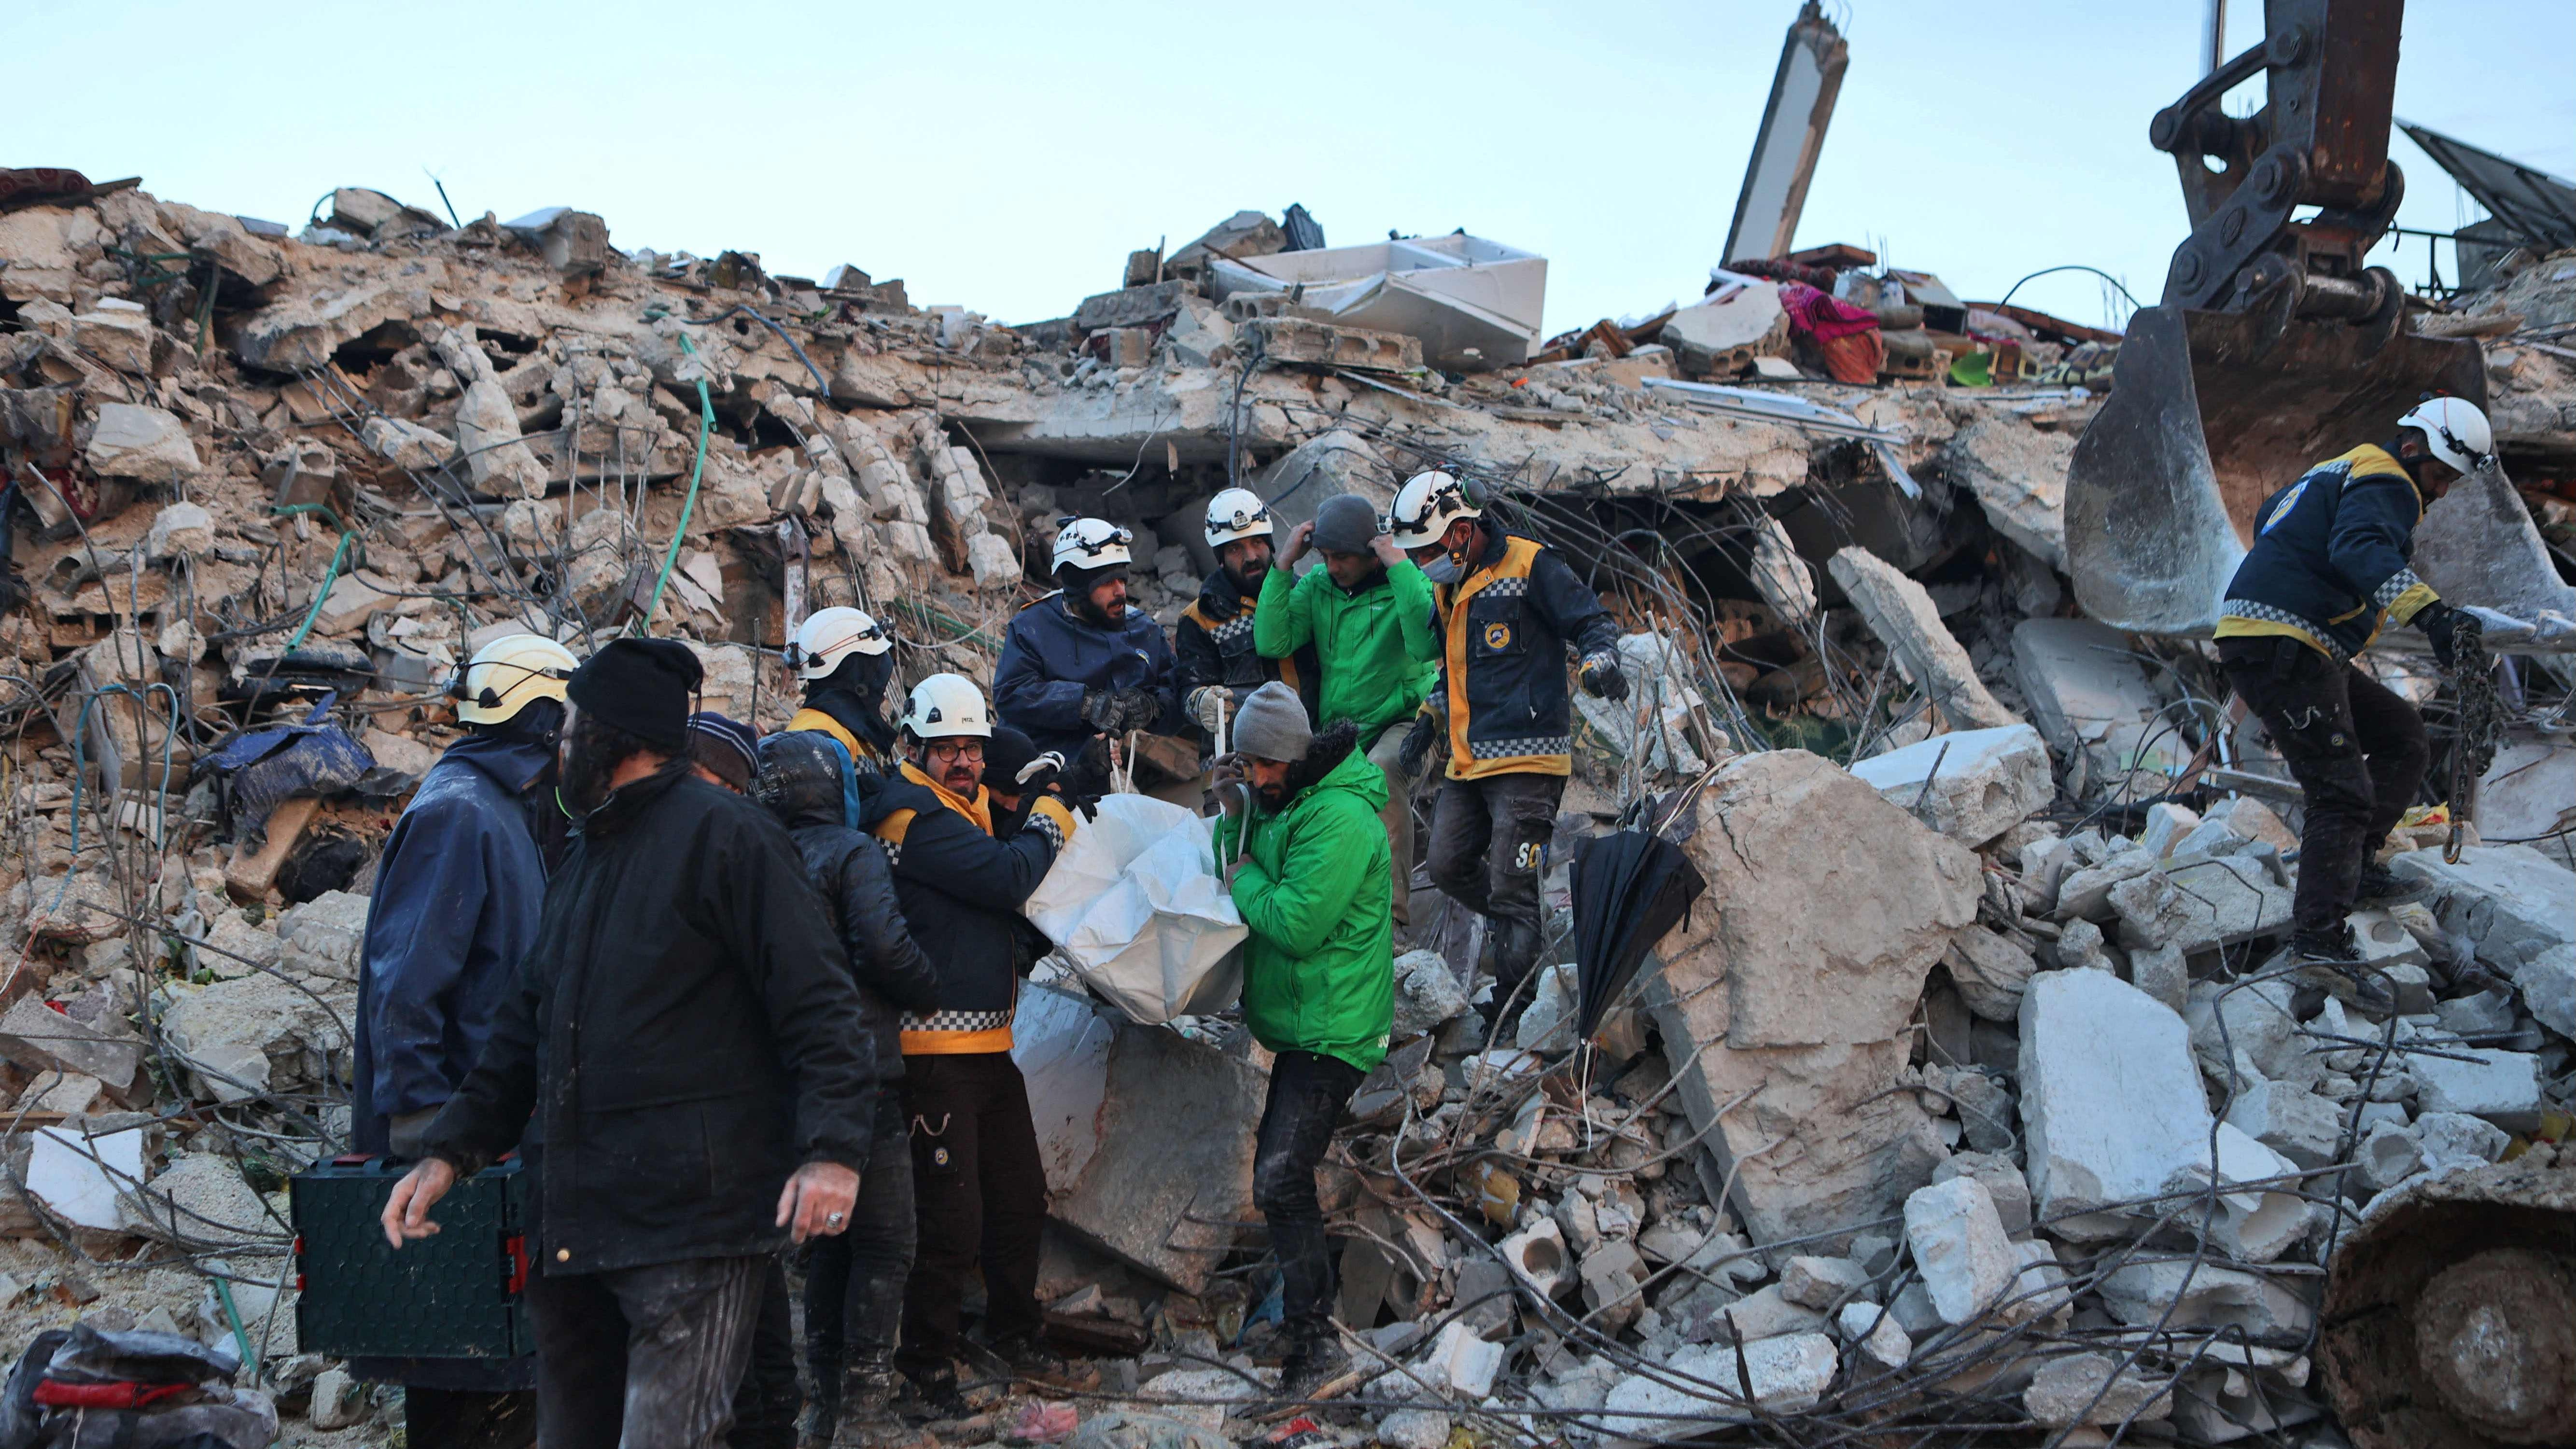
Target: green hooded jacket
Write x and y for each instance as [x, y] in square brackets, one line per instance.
[1319, 972]
[1377, 649]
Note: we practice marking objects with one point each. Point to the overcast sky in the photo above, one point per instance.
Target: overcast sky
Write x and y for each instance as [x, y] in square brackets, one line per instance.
[1007, 156]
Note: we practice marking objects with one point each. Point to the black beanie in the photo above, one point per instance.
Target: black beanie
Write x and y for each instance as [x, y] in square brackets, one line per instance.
[641, 686]
[1006, 754]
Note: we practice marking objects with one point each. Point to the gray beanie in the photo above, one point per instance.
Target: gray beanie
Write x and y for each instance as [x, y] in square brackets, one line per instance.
[1273, 724]
[1345, 524]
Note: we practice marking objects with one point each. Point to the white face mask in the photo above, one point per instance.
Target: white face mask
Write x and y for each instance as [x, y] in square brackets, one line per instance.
[1443, 570]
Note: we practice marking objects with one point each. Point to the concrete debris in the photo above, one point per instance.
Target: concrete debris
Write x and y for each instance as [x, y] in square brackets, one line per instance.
[1959, 1246]
[1972, 785]
[1903, 617]
[2094, 1388]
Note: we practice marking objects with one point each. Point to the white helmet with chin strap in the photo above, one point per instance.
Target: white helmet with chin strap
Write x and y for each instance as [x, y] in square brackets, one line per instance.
[505, 674]
[1090, 543]
[1236, 513]
[829, 636]
[2455, 430]
[947, 705]
[1425, 507]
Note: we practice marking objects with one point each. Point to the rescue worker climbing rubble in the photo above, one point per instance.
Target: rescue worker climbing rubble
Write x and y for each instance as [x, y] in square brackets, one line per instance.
[2329, 570]
[458, 893]
[1215, 638]
[1366, 616]
[978, 1185]
[846, 661]
[1313, 883]
[1081, 666]
[1508, 609]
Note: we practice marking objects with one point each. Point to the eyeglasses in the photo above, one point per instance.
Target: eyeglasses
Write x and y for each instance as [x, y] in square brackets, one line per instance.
[956, 749]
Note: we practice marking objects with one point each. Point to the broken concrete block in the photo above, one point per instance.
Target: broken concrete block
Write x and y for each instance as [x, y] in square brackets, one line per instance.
[82, 1178]
[201, 1197]
[1876, 1334]
[1959, 1247]
[1766, 1314]
[408, 445]
[2548, 982]
[1658, 1408]
[2149, 908]
[1971, 785]
[2388, 1155]
[2167, 823]
[182, 530]
[2162, 972]
[2111, 1102]
[1820, 1283]
[1791, 1372]
[2292, 1121]
[240, 1039]
[116, 332]
[2510, 900]
[38, 1038]
[2003, 1181]
[2254, 1019]
[2093, 1388]
[1991, 971]
[2018, 474]
[1537, 1254]
[2502, 1087]
[992, 563]
[2455, 1139]
[1414, 1429]
[145, 444]
[2255, 1223]
[2203, 1295]
[1612, 1275]
[574, 243]
[2085, 894]
[1902, 615]
[1147, 1136]
[323, 936]
[2080, 948]
[2212, 836]
[1720, 338]
[487, 422]
[2092, 697]
[2225, 901]
[1467, 1361]
[73, 1094]
[350, 604]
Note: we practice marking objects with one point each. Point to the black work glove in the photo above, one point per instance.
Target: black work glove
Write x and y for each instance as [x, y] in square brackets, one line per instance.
[1138, 709]
[1100, 710]
[1415, 752]
[1601, 676]
[2455, 633]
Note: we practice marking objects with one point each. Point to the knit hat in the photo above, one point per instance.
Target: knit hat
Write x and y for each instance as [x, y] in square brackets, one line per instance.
[641, 686]
[729, 749]
[1345, 524]
[1273, 724]
[1006, 754]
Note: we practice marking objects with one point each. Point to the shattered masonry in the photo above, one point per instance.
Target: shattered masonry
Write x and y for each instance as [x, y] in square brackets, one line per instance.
[1963, 1097]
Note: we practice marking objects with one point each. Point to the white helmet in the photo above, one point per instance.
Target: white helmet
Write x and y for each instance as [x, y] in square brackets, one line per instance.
[2455, 430]
[830, 636]
[505, 674]
[1090, 543]
[1236, 513]
[1424, 508]
[947, 704]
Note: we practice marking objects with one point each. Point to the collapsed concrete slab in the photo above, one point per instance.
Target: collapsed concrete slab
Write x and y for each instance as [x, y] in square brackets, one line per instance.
[2018, 474]
[1901, 613]
[2511, 900]
[2111, 1104]
[1792, 1022]
[1971, 785]
[2091, 696]
[1147, 1135]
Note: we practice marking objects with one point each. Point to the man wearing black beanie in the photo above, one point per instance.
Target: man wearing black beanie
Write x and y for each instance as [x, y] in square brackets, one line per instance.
[684, 1053]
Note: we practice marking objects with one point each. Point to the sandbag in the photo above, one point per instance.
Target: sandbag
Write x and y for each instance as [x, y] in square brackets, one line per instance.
[1135, 902]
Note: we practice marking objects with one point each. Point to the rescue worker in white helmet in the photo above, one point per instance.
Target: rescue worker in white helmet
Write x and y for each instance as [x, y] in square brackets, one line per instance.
[845, 660]
[1508, 609]
[1081, 665]
[1219, 667]
[2330, 568]
[458, 892]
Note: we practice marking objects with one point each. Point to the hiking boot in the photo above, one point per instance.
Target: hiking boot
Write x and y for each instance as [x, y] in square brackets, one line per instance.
[932, 1395]
[822, 1416]
[2328, 959]
[2379, 883]
[1316, 1360]
[868, 1418]
[1029, 1360]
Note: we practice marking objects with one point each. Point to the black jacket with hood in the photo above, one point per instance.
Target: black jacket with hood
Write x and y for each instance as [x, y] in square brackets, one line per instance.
[684, 1034]
[1213, 642]
[961, 891]
[805, 778]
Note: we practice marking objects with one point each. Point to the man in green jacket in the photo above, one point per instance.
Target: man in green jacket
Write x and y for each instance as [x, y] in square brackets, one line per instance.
[1318, 979]
[1367, 612]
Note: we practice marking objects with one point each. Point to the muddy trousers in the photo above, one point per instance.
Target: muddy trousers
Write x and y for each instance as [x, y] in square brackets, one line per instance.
[979, 1198]
[1307, 1093]
[854, 1282]
[643, 1358]
[766, 1405]
[2358, 750]
[1488, 844]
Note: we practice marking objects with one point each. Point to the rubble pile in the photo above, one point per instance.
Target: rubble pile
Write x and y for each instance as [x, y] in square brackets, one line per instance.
[1968, 1096]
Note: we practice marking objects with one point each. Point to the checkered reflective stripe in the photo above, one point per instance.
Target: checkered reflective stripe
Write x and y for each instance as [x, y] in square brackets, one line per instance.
[1516, 749]
[2386, 594]
[2265, 613]
[1232, 629]
[1511, 588]
[893, 850]
[960, 1021]
[1045, 824]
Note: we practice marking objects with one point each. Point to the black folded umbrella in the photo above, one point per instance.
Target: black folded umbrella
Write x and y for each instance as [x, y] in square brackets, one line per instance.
[1630, 887]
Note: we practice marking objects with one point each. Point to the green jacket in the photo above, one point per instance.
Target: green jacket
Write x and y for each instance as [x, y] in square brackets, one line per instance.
[1377, 648]
[1319, 972]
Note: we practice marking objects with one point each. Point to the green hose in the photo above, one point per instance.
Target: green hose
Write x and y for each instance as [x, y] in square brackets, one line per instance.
[688, 505]
[328, 579]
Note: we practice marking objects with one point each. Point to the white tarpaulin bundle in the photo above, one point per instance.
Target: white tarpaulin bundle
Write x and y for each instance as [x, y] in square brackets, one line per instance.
[1136, 903]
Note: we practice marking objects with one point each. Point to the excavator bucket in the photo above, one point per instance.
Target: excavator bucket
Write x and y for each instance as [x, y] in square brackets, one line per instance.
[2210, 412]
